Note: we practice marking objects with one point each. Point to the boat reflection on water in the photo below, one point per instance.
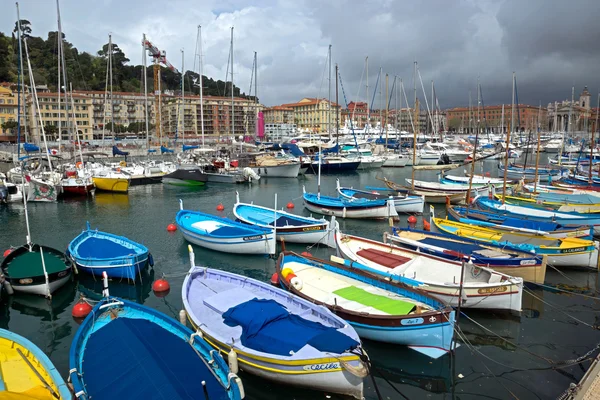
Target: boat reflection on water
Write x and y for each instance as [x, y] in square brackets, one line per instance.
[111, 199]
[403, 366]
[91, 287]
[51, 329]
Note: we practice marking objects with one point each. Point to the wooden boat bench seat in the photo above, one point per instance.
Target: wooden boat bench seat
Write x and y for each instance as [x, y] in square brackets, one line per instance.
[383, 258]
[491, 253]
[223, 301]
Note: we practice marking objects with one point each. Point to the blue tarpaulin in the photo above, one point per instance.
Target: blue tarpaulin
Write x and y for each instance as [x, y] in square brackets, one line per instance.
[186, 147]
[269, 327]
[137, 359]
[118, 152]
[29, 148]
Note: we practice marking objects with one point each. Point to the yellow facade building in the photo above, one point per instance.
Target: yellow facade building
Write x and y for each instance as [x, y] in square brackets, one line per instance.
[8, 112]
[313, 114]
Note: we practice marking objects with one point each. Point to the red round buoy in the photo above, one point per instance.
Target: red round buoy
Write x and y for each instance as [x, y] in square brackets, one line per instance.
[171, 228]
[412, 220]
[160, 286]
[7, 252]
[275, 279]
[290, 205]
[81, 309]
[220, 207]
[306, 254]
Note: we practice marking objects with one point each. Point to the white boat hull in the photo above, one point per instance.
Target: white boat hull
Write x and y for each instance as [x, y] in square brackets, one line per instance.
[259, 244]
[381, 212]
[409, 204]
[41, 289]
[278, 171]
[395, 162]
[579, 260]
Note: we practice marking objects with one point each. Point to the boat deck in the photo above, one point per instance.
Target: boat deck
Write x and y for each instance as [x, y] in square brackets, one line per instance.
[350, 294]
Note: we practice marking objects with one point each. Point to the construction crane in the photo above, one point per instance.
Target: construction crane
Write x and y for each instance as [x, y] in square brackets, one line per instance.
[158, 58]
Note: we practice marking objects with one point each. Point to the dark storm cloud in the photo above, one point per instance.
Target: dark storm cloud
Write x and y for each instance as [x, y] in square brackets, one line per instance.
[551, 45]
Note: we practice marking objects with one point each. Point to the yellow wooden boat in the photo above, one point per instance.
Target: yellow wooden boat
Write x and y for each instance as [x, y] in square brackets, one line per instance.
[110, 184]
[534, 201]
[565, 252]
[26, 373]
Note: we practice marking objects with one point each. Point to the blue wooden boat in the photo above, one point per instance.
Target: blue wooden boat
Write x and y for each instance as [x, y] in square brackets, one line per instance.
[223, 234]
[290, 227]
[26, 372]
[350, 208]
[95, 251]
[378, 309]
[519, 172]
[511, 262]
[272, 334]
[479, 217]
[539, 214]
[124, 350]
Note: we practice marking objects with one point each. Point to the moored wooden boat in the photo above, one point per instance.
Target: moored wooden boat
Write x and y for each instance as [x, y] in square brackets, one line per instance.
[482, 287]
[111, 183]
[293, 342]
[402, 204]
[349, 208]
[26, 373]
[562, 206]
[539, 214]
[378, 309]
[431, 196]
[36, 269]
[186, 175]
[290, 227]
[222, 234]
[563, 252]
[475, 216]
[162, 358]
[95, 251]
[480, 190]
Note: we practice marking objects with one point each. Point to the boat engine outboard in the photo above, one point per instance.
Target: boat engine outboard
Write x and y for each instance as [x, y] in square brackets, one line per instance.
[444, 159]
[3, 193]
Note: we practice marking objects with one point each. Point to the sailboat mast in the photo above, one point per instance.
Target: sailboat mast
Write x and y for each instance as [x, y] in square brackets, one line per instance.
[537, 157]
[112, 114]
[182, 98]
[144, 61]
[387, 78]
[75, 123]
[399, 116]
[20, 74]
[329, 99]
[61, 53]
[201, 88]
[232, 102]
[337, 115]
[592, 144]
[380, 103]
[368, 107]
[512, 122]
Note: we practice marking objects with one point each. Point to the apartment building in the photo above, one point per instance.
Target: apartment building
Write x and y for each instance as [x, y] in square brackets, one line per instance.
[315, 114]
[8, 112]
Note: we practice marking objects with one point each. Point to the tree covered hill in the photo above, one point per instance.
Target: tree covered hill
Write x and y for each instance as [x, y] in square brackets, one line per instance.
[89, 71]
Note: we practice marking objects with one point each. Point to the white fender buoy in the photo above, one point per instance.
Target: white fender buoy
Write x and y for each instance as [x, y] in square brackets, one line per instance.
[182, 317]
[8, 287]
[297, 283]
[232, 360]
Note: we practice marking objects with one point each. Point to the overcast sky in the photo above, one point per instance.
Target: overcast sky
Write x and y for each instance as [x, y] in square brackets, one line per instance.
[552, 45]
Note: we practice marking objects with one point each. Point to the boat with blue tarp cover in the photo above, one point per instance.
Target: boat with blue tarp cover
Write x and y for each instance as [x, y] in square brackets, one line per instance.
[272, 334]
[475, 216]
[290, 227]
[539, 214]
[349, 208]
[223, 234]
[124, 350]
[377, 308]
[26, 372]
[94, 251]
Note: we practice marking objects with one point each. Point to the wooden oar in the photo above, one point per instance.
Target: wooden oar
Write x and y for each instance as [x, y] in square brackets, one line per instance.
[46, 385]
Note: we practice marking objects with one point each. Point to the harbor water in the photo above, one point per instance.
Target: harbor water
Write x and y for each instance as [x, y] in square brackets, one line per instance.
[501, 356]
